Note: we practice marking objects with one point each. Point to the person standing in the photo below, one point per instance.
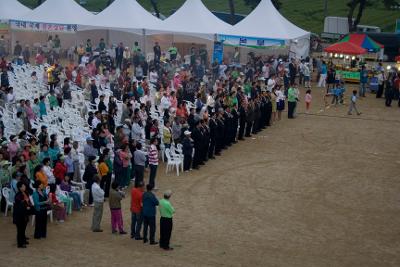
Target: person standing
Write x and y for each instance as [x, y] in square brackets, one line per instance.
[22, 209]
[105, 175]
[292, 101]
[42, 204]
[115, 208]
[166, 213]
[187, 150]
[149, 214]
[363, 81]
[322, 77]
[353, 100]
[98, 199]
[381, 84]
[157, 52]
[140, 158]
[153, 161]
[136, 210]
[119, 55]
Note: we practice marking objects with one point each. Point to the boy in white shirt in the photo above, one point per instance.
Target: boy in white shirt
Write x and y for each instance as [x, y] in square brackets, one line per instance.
[353, 101]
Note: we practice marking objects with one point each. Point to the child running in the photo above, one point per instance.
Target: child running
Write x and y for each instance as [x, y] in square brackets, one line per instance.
[307, 100]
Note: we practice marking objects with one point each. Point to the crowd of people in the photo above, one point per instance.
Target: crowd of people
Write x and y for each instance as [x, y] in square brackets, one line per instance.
[165, 104]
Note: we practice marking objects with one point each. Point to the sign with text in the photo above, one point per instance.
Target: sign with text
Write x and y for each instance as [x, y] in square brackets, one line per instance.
[43, 27]
[253, 42]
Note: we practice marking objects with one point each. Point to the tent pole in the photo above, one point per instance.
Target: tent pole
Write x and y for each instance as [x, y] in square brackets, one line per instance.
[144, 43]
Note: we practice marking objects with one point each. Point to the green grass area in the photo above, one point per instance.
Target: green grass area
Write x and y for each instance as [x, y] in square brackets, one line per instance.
[308, 14]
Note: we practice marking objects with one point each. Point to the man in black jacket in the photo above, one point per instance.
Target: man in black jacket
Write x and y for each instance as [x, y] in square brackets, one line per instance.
[119, 55]
[157, 52]
[213, 129]
[197, 140]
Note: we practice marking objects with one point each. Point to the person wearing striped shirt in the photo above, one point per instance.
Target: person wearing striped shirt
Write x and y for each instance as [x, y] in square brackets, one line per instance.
[153, 161]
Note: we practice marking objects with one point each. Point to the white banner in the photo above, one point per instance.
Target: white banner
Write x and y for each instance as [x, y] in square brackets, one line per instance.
[253, 42]
[43, 27]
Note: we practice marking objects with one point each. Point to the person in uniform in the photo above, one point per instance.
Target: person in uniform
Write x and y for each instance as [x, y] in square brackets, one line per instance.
[219, 137]
[197, 137]
[212, 124]
[206, 140]
[235, 124]
[242, 120]
[249, 118]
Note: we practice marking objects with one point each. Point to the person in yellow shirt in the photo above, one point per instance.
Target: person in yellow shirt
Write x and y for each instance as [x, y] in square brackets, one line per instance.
[105, 176]
[41, 176]
[167, 134]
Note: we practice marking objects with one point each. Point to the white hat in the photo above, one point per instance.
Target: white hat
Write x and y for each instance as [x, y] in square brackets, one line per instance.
[187, 132]
[167, 193]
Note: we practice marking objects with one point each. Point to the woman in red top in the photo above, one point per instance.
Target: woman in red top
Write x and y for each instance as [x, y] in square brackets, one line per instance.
[181, 111]
[60, 169]
[25, 152]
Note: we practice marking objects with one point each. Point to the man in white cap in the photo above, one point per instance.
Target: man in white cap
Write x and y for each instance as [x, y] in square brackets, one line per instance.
[187, 150]
[166, 212]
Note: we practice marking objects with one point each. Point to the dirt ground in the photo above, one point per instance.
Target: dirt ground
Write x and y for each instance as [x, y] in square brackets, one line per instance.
[320, 190]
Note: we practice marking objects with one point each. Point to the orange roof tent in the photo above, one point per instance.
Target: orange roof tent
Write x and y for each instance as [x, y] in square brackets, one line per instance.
[346, 48]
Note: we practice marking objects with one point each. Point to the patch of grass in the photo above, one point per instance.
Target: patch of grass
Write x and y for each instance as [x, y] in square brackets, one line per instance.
[308, 14]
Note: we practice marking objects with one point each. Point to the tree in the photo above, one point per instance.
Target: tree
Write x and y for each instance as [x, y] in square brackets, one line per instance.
[232, 11]
[154, 3]
[253, 3]
[39, 2]
[352, 7]
[109, 2]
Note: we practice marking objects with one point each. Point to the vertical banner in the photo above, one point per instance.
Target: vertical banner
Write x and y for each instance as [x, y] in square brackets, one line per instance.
[218, 53]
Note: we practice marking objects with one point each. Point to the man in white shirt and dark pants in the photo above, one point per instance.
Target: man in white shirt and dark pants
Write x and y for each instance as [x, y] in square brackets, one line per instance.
[98, 200]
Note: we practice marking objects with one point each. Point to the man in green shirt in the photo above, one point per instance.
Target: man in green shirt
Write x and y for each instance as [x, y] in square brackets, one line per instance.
[166, 213]
[173, 52]
[102, 45]
[292, 101]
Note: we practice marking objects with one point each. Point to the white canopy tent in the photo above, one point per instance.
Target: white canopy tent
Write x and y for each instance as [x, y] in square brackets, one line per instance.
[194, 19]
[57, 12]
[60, 17]
[123, 21]
[124, 15]
[265, 25]
[11, 9]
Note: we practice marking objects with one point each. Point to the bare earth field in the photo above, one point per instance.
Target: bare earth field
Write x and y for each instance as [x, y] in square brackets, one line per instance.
[320, 190]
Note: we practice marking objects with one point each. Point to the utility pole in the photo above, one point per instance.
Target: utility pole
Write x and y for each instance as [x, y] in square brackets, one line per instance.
[325, 8]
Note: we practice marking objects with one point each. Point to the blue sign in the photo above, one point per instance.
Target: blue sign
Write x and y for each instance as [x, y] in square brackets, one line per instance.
[218, 53]
[243, 41]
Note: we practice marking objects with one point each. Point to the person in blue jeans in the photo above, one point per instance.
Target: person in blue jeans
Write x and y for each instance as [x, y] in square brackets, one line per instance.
[150, 202]
[363, 81]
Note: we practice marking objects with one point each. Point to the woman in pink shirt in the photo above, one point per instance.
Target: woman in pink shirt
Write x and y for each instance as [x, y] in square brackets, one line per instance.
[13, 147]
[29, 112]
[173, 100]
[125, 156]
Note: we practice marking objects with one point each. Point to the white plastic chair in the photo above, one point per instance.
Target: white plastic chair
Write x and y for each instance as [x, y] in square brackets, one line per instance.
[172, 162]
[6, 194]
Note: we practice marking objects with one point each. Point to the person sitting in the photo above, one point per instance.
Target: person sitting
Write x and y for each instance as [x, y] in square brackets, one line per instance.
[65, 186]
[57, 206]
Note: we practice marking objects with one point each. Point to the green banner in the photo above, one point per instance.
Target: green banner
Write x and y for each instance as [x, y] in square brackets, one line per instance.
[4, 27]
[349, 75]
